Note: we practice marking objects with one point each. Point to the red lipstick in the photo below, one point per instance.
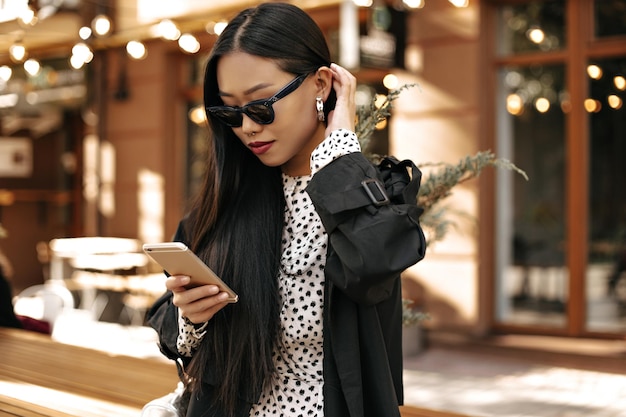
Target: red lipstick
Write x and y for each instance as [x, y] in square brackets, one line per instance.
[259, 148]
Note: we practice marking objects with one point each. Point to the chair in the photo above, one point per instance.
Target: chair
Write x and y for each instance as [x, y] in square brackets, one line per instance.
[44, 302]
[97, 268]
[97, 253]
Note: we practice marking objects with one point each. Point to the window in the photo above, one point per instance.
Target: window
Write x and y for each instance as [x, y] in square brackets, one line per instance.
[560, 238]
[531, 27]
[606, 269]
[531, 230]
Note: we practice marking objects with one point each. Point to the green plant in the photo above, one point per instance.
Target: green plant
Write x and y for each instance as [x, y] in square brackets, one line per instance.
[411, 315]
[436, 185]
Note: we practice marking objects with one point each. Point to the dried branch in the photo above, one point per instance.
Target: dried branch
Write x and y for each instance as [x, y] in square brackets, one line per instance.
[437, 185]
[369, 116]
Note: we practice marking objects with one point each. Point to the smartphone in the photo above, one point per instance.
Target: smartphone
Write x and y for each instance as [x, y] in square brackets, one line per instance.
[177, 259]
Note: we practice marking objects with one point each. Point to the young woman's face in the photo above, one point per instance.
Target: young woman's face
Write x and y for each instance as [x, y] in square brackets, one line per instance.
[295, 131]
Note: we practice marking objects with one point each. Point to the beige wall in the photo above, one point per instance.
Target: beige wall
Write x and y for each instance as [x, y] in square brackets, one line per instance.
[142, 130]
[438, 121]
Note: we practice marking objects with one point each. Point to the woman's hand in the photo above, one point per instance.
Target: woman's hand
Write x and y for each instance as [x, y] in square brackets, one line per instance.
[344, 114]
[198, 304]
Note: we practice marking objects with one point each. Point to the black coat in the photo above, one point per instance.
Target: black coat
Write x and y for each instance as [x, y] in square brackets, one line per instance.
[373, 237]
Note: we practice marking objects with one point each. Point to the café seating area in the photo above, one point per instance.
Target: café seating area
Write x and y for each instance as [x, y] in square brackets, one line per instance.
[109, 277]
[100, 359]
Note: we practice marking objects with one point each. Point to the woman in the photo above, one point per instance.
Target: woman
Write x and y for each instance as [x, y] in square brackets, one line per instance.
[7, 314]
[292, 218]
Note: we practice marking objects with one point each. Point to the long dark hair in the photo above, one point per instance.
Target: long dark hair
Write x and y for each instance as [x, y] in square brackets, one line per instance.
[237, 219]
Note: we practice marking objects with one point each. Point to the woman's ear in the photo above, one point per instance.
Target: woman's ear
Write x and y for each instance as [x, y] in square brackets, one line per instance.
[323, 82]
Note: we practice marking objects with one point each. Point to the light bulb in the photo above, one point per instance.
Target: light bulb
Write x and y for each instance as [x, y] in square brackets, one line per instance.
[166, 29]
[390, 81]
[219, 27]
[81, 50]
[84, 33]
[28, 17]
[136, 50]
[5, 73]
[594, 72]
[17, 51]
[32, 67]
[414, 4]
[101, 25]
[189, 43]
[459, 3]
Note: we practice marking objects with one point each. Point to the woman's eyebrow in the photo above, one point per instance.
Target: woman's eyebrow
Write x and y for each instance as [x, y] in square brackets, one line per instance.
[248, 91]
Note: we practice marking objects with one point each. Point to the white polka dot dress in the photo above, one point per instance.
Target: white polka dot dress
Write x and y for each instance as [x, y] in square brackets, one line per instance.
[297, 387]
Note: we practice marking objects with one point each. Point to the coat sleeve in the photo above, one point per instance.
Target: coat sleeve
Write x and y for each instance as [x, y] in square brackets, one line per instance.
[163, 317]
[373, 236]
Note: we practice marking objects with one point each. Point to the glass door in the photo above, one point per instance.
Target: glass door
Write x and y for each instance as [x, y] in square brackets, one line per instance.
[560, 75]
[532, 277]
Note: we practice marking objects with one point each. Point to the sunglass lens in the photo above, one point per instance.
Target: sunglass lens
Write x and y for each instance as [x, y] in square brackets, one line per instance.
[230, 117]
[260, 113]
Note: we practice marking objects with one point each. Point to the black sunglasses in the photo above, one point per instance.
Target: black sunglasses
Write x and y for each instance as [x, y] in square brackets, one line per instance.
[260, 111]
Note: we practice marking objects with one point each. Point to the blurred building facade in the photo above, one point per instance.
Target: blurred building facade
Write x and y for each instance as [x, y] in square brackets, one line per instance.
[113, 146]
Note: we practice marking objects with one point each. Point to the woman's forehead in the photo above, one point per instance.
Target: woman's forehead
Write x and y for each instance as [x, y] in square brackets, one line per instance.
[237, 72]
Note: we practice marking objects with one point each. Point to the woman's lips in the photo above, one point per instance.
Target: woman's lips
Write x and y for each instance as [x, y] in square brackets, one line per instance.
[259, 148]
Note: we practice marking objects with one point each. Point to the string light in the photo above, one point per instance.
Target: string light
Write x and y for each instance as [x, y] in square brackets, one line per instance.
[166, 29]
[459, 3]
[592, 106]
[536, 35]
[136, 50]
[188, 43]
[216, 28]
[85, 33]
[5, 73]
[101, 25]
[32, 67]
[81, 55]
[594, 72]
[197, 115]
[542, 104]
[615, 102]
[28, 17]
[17, 52]
[390, 81]
[414, 4]
[76, 62]
[514, 104]
[219, 27]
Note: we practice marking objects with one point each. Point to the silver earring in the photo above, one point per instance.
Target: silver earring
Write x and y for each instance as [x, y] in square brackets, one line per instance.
[319, 105]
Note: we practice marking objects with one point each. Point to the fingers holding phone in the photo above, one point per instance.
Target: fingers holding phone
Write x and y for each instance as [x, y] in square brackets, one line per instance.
[199, 304]
[177, 259]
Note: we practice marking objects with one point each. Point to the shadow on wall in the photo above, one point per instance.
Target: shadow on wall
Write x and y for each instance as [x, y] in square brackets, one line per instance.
[442, 314]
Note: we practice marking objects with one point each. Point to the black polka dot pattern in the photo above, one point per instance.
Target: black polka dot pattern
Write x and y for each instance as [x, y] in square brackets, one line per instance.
[296, 389]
